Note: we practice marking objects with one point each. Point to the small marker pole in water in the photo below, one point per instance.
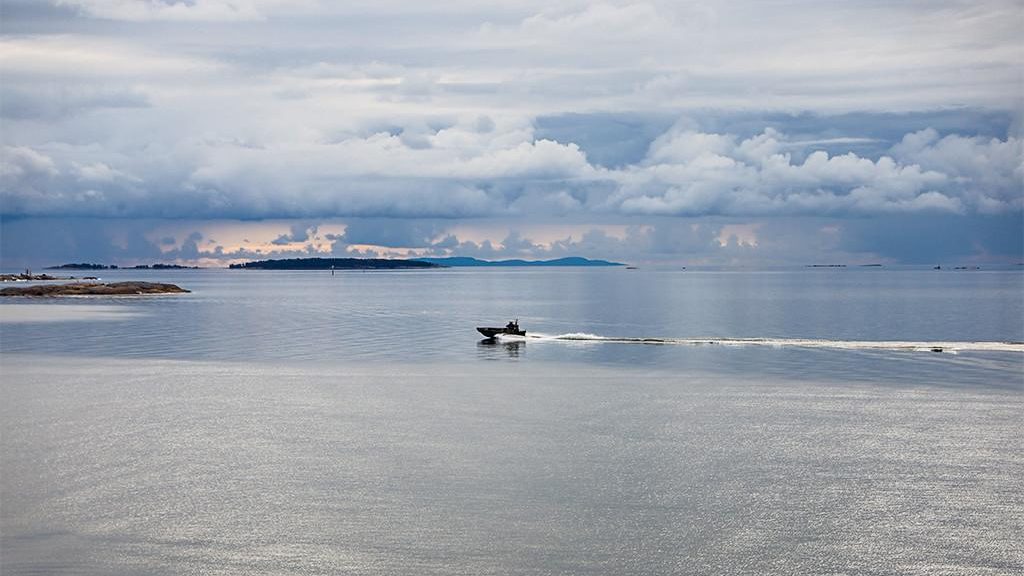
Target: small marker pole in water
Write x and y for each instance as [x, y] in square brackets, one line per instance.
[332, 269]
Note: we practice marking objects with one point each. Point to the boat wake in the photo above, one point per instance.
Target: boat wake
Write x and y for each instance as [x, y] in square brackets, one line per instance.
[913, 346]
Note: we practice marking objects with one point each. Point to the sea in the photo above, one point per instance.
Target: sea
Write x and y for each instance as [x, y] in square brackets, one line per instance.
[853, 421]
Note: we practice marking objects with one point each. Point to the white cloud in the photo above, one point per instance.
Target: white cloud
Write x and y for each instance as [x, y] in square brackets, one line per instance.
[691, 173]
[989, 171]
[385, 59]
[19, 162]
[80, 57]
[178, 10]
[500, 167]
[101, 173]
[537, 159]
[598, 26]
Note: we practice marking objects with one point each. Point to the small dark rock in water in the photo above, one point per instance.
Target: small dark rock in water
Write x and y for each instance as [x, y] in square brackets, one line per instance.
[93, 289]
[936, 349]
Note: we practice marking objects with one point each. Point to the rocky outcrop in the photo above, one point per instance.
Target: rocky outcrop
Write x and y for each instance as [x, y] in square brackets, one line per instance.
[30, 277]
[93, 289]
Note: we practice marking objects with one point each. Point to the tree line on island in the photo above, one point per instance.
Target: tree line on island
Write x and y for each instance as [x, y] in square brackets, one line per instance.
[91, 266]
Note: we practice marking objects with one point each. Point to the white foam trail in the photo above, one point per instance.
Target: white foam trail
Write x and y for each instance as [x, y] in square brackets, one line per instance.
[915, 346]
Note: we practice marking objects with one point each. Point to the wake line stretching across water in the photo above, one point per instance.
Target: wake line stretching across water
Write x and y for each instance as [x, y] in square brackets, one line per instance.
[787, 342]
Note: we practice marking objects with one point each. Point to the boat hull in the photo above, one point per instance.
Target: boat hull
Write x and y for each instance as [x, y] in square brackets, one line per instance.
[492, 332]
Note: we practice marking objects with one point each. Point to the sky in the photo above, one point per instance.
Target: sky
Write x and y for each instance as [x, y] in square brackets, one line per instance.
[747, 133]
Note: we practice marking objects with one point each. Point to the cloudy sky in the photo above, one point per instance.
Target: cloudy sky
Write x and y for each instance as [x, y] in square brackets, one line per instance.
[759, 132]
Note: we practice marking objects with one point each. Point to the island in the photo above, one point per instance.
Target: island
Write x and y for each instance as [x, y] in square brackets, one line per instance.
[83, 266]
[94, 289]
[334, 263]
[461, 261]
[91, 266]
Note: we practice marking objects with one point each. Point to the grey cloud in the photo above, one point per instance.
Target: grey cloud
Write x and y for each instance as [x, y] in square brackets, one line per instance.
[938, 239]
[49, 241]
[189, 249]
[538, 58]
[394, 233]
[50, 103]
[215, 10]
[299, 232]
[683, 241]
[610, 140]
[515, 243]
[465, 173]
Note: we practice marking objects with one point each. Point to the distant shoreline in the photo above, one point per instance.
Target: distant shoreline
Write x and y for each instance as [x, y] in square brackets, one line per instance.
[334, 264]
[91, 266]
[467, 262]
[412, 263]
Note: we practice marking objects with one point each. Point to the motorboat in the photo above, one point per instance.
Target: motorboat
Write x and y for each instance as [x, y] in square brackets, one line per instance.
[510, 329]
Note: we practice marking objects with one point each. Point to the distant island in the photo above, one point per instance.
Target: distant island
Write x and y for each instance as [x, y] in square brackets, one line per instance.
[335, 263]
[90, 266]
[462, 261]
[94, 289]
[83, 266]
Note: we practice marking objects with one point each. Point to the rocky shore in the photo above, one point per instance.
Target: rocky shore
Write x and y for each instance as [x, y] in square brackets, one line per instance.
[30, 277]
[93, 289]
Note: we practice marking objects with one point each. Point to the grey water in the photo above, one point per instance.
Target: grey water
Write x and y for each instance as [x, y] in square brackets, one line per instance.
[304, 423]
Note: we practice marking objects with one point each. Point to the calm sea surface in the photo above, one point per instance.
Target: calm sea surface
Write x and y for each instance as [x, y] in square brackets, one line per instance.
[303, 423]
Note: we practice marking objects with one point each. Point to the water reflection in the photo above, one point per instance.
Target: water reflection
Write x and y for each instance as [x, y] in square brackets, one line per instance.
[493, 349]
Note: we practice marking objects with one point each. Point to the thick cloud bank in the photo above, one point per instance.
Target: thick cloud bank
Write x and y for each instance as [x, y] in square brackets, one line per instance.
[692, 173]
[480, 168]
